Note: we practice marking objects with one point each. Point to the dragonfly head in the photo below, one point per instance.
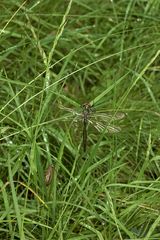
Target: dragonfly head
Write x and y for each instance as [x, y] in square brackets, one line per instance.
[86, 106]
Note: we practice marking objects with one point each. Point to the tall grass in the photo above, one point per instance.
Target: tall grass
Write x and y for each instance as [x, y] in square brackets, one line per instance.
[61, 54]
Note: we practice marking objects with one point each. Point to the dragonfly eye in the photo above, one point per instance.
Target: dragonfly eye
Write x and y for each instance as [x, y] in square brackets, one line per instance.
[87, 106]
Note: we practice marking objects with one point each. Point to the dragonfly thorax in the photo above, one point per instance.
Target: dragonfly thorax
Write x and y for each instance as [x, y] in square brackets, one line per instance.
[87, 109]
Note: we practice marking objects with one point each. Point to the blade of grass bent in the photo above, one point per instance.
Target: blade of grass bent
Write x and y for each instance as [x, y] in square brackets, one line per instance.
[105, 92]
[60, 80]
[15, 202]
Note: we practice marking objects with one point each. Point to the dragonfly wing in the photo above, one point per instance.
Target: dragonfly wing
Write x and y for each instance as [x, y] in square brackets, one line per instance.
[108, 116]
[73, 114]
[113, 129]
[110, 128]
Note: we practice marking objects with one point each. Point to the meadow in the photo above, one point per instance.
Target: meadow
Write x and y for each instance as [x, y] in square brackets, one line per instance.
[56, 58]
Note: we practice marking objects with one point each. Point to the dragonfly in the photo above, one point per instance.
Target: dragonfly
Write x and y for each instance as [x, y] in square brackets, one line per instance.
[99, 120]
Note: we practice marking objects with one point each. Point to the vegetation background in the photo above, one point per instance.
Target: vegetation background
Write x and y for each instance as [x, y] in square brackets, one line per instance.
[60, 54]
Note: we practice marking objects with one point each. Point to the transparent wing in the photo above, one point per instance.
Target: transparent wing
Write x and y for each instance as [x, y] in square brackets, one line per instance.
[74, 115]
[101, 121]
[108, 128]
[95, 114]
[108, 116]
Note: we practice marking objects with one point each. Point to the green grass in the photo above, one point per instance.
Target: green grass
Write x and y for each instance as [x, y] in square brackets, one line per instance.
[66, 53]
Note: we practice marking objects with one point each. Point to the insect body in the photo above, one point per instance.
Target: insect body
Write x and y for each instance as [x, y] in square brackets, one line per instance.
[102, 121]
[49, 175]
[86, 112]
